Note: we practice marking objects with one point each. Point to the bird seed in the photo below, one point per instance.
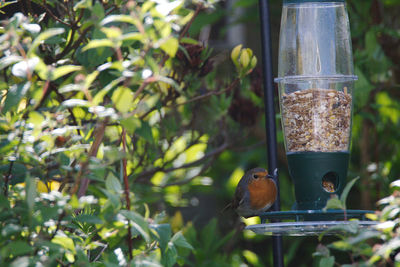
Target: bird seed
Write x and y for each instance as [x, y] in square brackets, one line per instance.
[317, 120]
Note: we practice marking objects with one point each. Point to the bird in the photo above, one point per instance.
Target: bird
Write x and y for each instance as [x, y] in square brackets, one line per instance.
[256, 192]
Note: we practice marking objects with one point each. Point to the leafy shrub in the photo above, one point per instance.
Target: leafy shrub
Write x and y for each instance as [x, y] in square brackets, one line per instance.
[108, 110]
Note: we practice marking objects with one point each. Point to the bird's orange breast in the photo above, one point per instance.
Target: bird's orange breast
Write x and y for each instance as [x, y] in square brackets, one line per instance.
[262, 192]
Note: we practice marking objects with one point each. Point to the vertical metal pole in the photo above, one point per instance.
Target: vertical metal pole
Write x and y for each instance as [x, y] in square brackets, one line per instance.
[270, 115]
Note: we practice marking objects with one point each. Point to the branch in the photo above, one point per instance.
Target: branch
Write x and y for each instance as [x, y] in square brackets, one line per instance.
[187, 26]
[127, 192]
[148, 173]
[75, 46]
[211, 93]
[203, 169]
[53, 16]
[82, 184]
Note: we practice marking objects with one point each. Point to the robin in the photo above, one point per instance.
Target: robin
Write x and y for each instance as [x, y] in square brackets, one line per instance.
[255, 193]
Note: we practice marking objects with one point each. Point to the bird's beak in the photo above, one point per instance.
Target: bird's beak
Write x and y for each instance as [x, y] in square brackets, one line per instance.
[270, 176]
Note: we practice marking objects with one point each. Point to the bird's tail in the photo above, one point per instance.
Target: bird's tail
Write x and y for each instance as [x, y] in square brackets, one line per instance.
[227, 207]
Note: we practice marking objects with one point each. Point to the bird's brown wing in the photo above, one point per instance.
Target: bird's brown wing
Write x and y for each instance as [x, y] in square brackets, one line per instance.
[238, 198]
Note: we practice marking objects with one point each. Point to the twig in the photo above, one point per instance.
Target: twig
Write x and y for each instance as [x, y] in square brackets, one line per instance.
[75, 45]
[101, 252]
[53, 16]
[196, 98]
[182, 182]
[82, 184]
[185, 29]
[196, 13]
[30, 10]
[126, 189]
[216, 151]
[143, 85]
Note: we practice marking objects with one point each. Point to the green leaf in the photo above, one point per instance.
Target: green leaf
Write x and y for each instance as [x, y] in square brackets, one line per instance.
[163, 234]
[10, 229]
[9, 60]
[14, 96]
[63, 70]
[131, 124]
[118, 18]
[346, 191]
[187, 40]
[138, 223]
[341, 245]
[43, 36]
[122, 98]
[65, 242]
[179, 240]
[145, 132]
[327, 262]
[170, 46]
[16, 248]
[98, 43]
[88, 218]
[334, 203]
[170, 256]
[35, 118]
[113, 184]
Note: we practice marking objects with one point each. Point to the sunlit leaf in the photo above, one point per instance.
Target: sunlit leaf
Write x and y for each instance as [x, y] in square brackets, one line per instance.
[9, 60]
[118, 18]
[98, 43]
[43, 36]
[122, 98]
[65, 242]
[64, 70]
[24, 67]
[170, 46]
[138, 223]
[14, 96]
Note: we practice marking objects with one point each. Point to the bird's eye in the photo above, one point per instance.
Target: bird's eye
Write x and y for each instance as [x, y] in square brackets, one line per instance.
[255, 176]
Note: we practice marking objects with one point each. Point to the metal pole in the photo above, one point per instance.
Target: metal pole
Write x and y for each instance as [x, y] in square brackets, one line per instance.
[270, 115]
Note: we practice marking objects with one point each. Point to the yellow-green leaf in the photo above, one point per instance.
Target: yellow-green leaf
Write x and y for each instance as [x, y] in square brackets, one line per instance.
[44, 36]
[235, 53]
[122, 98]
[170, 46]
[65, 242]
[98, 43]
[63, 70]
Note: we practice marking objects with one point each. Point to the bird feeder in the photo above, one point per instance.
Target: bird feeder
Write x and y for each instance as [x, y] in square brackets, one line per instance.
[315, 82]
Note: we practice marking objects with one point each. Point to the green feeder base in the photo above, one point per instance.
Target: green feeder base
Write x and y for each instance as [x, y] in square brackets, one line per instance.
[316, 177]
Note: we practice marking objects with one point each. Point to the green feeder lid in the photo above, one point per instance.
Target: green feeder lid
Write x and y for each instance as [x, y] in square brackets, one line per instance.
[306, 1]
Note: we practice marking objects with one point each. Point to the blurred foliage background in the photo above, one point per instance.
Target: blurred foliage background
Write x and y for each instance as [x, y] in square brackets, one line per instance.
[125, 127]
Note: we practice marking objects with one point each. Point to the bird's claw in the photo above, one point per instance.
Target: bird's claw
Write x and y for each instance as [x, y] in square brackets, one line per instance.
[274, 175]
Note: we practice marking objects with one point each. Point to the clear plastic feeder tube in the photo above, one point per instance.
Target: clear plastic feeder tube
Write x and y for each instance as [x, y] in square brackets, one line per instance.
[315, 76]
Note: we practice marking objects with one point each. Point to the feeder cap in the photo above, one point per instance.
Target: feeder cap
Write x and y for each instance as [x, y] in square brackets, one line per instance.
[307, 1]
